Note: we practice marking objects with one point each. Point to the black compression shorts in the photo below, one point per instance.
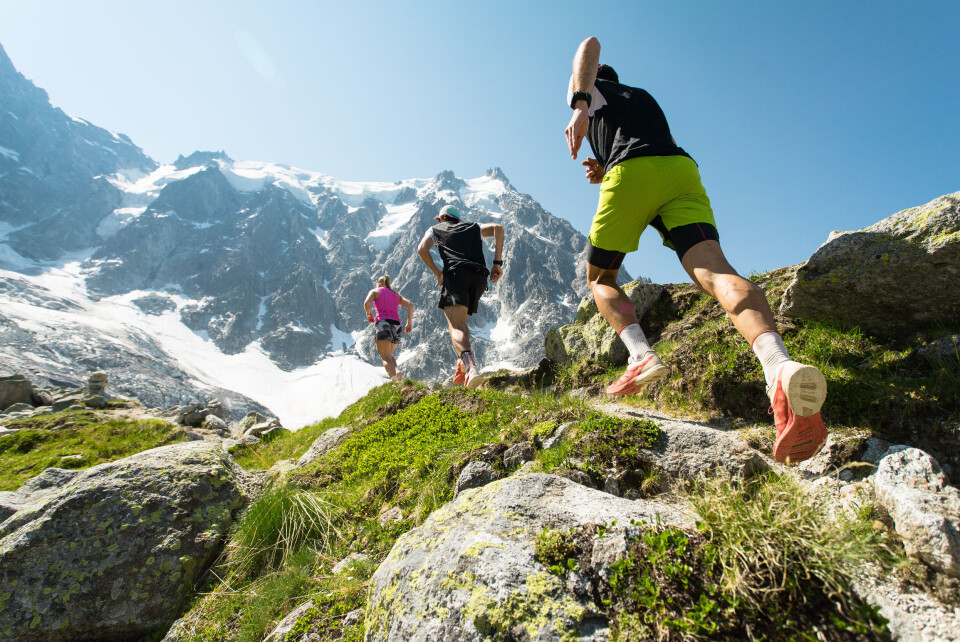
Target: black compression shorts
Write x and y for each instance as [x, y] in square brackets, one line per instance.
[462, 287]
[682, 238]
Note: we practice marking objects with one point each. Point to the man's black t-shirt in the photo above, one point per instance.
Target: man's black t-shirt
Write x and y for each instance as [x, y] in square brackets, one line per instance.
[460, 245]
[629, 125]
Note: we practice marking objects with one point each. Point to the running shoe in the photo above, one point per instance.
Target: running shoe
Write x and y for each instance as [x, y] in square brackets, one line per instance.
[459, 376]
[474, 378]
[796, 396]
[639, 374]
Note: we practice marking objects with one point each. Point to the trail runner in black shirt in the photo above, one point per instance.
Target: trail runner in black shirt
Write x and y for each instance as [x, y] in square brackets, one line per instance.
[646, 179]
[463, 279]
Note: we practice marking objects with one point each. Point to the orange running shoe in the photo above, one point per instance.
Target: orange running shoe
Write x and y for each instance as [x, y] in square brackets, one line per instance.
[642, 373]
[798, 394]
[459, 375]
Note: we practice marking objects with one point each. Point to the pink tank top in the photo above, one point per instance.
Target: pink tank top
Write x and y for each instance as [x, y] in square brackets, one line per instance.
[387, 305]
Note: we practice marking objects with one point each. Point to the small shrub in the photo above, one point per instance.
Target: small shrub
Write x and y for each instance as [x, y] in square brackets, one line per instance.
[612, 442]
[556, 550]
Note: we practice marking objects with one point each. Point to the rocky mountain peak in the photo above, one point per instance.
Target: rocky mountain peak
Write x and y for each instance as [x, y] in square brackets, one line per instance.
[497, 174]
[197, 159]
[446, 180]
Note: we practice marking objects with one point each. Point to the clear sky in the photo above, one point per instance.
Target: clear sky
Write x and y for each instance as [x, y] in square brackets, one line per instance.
[804, 117]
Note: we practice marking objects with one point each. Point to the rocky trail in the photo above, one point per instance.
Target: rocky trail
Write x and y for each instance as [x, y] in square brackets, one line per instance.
[846, 485]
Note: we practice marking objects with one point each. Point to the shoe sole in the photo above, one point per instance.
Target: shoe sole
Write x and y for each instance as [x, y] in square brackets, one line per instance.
[806, 442]
[805, 388]
[475, 381]
[651, 376]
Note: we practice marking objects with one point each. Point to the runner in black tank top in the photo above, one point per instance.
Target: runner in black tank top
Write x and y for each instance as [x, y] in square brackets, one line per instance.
[463, 279]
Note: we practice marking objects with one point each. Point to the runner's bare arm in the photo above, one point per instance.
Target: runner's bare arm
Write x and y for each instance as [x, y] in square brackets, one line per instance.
[496, 231]
[409, 306]
[424, 251]
[371, 297]
[585, 64]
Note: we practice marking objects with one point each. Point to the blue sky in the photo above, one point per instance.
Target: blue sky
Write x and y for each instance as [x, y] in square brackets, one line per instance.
[804, 117]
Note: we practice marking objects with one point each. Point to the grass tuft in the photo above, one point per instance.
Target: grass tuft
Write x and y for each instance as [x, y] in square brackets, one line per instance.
[776, 547]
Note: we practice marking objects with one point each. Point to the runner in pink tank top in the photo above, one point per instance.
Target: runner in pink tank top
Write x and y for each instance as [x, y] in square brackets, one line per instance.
[387, 304]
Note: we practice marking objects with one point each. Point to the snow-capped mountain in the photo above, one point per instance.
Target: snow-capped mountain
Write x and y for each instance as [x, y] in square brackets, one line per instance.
[239, 279]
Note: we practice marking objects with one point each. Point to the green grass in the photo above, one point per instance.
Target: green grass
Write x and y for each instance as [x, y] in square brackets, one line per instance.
[765, 562]
[401, 450]
[776, 547]
[39, 445]
[379, 401]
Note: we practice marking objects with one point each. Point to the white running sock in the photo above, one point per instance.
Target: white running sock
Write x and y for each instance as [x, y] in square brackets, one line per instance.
[769, 348]
[635, 340]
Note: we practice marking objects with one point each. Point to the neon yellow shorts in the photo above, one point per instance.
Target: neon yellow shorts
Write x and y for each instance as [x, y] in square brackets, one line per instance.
[637, 191]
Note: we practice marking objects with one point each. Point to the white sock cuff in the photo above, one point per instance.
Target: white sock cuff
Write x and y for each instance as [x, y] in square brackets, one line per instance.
[770, 350]
[636, 341]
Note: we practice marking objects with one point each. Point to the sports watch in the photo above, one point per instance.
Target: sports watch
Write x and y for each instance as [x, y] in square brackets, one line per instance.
[580, 95]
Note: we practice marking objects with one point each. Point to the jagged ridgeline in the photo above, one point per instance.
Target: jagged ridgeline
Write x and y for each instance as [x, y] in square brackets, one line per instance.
[114, 262]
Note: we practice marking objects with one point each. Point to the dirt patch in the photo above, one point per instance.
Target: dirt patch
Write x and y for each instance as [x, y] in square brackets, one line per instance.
[409, 395]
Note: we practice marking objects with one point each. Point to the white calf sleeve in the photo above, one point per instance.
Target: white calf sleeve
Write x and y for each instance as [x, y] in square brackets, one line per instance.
[769, 348]
[635, 340]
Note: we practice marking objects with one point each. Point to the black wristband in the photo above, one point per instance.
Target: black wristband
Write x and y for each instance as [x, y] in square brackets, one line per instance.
[581, 95]
[498, 262]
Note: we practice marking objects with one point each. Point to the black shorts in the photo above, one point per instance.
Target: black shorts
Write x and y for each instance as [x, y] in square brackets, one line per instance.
[682, 238]
[462, 287]
[389, 330]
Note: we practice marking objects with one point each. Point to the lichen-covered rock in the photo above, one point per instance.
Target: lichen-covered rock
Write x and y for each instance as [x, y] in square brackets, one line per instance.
[590, 336]
[33, 490]
[194, 414]
[216, 424]
[263, 429]
[65, 403]
[281, 632]
[95, 401]
[114, 552]
[251, 419]
[324, 443]
[892, 278]
[924, 507]
[469, 572]
[474, 475]
[687, 450]
[518, 454]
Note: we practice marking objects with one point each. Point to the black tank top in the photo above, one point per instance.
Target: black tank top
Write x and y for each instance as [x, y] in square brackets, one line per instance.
[460, 246]
[631, 124]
